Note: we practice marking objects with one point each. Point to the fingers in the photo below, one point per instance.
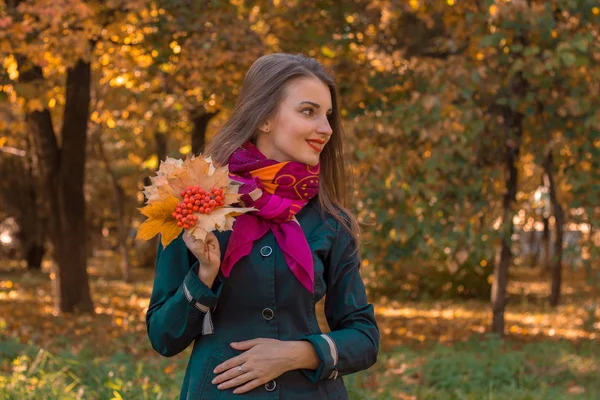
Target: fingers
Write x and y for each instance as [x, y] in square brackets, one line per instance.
[188, 237]
[245, 345]
[211, 241]
[190, 240]
[248, 386]
[230, 374]
[237, 381]
[240, 359]
[206, 251]
[202, 249]
[210, 237]
[232, 362]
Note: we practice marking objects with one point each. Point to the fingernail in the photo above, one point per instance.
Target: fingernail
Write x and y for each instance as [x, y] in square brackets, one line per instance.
[220, 387]
[213, 381]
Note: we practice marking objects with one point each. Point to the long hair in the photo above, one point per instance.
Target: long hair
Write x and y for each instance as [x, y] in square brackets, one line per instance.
[261, 93]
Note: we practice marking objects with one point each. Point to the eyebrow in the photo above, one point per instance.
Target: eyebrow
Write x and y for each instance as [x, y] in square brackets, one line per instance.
[315, 105]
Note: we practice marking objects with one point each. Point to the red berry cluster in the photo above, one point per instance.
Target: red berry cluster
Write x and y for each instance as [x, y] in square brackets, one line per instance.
[196, 200]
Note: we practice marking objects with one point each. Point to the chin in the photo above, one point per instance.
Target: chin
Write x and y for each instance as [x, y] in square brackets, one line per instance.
[310, 161]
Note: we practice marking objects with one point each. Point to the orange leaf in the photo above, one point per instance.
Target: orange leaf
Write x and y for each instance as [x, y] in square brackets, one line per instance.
[160, 221]
[169, 369]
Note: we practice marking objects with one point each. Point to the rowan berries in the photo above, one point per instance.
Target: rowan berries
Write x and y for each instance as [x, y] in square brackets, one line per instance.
[197, 200]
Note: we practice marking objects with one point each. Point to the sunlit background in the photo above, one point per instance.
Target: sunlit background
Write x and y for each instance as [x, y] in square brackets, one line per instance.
[473, 137]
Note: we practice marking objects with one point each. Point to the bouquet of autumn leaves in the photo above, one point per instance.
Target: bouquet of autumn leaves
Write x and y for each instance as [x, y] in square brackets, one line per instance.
[189, 194]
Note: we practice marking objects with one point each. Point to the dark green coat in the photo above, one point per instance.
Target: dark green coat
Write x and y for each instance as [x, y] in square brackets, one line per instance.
[262, 299]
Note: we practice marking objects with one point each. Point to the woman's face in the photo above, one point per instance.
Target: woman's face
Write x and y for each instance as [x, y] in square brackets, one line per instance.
[300, 130]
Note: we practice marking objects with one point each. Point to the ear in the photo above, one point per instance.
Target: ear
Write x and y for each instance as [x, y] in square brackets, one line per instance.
[265, 128]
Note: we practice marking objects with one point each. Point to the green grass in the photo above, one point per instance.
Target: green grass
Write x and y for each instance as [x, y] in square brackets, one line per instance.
[481, 368]
[33, 373]
[486, 368]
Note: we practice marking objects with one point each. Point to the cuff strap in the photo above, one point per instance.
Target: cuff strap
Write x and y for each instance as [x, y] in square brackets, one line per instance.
[207, 324]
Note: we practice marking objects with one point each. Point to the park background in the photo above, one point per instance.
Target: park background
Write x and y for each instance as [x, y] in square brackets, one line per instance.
[473, 138]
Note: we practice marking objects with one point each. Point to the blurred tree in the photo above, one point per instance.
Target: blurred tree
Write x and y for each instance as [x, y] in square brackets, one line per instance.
[52, 66]
[459, 107]
[202, 51]
[20, 197]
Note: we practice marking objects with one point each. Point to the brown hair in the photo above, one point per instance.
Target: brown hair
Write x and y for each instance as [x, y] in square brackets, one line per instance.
[262, 91]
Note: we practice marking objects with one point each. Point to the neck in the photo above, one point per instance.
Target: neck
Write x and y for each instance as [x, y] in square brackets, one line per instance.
[266, 148]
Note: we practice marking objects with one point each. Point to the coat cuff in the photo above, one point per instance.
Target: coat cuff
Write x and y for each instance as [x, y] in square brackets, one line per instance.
[200, 293]
[327, 351]
[201, 297]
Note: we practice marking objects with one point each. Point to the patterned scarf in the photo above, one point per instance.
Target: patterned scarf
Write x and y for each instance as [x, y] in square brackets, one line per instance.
[287, 187]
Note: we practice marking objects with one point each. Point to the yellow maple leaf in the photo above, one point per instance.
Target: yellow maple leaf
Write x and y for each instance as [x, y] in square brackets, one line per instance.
[221, 219]
[232, 198]
[229, 220]
[199, 169]
[159, 181]
[160, 220]
[219, 178]
[193, 172]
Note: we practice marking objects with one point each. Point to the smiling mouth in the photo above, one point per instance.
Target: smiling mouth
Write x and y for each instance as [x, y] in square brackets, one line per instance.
[318, 147]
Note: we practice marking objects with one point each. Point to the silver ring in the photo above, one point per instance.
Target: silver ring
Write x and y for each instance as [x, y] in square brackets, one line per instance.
[240, 369]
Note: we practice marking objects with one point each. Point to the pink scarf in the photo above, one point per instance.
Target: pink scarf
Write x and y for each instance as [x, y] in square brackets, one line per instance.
[287, 187]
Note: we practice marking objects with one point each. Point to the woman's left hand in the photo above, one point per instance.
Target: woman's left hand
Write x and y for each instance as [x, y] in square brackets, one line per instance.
[262, 361]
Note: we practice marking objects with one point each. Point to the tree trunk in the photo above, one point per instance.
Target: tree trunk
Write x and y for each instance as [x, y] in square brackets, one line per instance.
[37, 238]
[545, 263]
[199, 133]
[534, 248]
[62, 173]
[587, 264]
[72, 280]
[21, 199]
[503, 255]
[513, 122]
[34, 255]
[161, 145]
[558, 213]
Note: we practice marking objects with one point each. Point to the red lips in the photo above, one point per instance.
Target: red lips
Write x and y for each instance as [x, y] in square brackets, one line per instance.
[318, 146]
[316, 141]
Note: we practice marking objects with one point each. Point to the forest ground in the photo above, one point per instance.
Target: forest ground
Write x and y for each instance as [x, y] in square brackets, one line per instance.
[430, 349]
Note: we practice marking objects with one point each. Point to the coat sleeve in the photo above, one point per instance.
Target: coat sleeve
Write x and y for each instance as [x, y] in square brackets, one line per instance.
[180, 304]
[353, 343]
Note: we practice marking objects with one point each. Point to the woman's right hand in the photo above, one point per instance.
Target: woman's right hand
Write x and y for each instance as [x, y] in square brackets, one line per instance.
[208, 252]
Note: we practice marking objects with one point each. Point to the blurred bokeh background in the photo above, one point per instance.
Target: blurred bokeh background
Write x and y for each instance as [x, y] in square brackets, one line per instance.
[473, 136]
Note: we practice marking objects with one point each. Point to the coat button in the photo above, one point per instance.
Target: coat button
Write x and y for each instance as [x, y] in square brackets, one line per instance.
[270, 386]
[268, 314]
[266, 251]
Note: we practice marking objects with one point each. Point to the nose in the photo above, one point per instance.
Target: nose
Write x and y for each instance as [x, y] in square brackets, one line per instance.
[325, 127]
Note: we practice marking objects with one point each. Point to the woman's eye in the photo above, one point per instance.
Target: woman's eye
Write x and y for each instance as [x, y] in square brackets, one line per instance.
[310, 111]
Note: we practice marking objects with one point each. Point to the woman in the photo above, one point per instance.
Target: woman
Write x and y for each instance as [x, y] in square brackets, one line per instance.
[246, 297]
